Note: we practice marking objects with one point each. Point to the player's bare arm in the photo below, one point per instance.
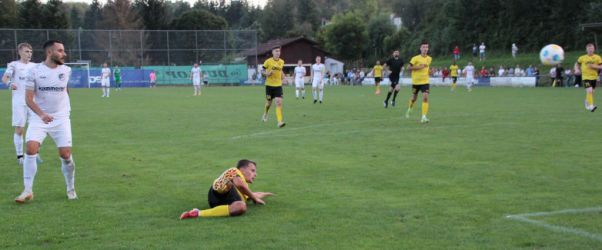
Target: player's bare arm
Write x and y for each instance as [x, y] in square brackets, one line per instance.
[35, 108]
[244, 188]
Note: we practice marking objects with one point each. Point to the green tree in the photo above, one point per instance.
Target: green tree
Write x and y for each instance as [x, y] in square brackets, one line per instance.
[276, 19]
[8, 15]
[54, 15]
[93, 15]
[74, 19]
[199, 20]
[155, 14]
[346, 36]
[307, 13]
[30, 12]
[379, 27]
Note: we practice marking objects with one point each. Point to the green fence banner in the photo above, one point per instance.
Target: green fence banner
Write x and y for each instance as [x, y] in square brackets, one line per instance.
[213, 74]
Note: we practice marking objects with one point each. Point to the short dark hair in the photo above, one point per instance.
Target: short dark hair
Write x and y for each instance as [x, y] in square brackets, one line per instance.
[277, 47]
[244, 163]
[50, 43]
[424, 42]
[590, 43]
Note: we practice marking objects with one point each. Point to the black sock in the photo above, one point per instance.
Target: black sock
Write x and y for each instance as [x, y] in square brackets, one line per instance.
[395, 95]
[388, 96]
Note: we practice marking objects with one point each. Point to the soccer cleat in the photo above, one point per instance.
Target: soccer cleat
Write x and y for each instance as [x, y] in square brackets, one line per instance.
[194, 213]
[281, 124]
[24, 197]
[424, 120]
[264, 118]
[386, 104]
[303, 97]
[320, 102]
[408, 112]
[71, 195]
[594, 108]
[315, 101]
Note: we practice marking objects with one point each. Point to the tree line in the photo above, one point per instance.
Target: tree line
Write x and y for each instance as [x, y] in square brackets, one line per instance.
[350, 29]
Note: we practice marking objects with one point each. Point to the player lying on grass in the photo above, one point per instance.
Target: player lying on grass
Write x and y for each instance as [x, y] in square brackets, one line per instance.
[229, 193]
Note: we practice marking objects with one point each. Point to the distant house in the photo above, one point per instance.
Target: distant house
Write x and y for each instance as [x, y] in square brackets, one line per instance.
[292, 50]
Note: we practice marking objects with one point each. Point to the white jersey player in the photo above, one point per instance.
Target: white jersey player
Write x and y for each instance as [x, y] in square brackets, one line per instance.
[196, 76]
[469, 73]
[48, 98]
[15, 77]
[105, 80]
[300, 79]
[317, 79]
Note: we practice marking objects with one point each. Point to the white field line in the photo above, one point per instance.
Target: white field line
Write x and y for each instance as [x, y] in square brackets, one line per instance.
[556, 228]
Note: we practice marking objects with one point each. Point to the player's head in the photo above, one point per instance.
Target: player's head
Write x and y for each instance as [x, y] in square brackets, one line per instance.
[104, 65]
[248, 169]
[454, 62]
[55, 51]
[318, 59]
[300, 62]
[590, 47]
[25, 51]
[424, 48]
[276, 52]
[396, 53]
[196, 65]
[377, 62]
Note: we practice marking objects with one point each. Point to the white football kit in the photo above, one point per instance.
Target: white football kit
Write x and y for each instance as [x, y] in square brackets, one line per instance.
[318, 70]
[196, 76]
[105, 80]
[50, 94]
[469, 70]
[300, 76]
[17, 71]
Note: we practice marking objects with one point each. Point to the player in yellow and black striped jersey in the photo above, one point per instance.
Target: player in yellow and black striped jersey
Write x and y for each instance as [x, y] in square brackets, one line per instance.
[453, 69]
[419, 65]
[377, 71]
[229, 193]
[272, 69]
[589, 64]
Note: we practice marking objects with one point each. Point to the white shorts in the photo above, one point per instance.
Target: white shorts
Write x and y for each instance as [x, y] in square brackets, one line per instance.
[196, 82]
[105, 83]
[59, 130]
[317, 83]
[469, 80]
[299, 83]
[20, 115]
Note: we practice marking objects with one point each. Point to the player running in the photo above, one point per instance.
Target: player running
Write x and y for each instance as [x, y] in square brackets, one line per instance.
[589, 63]
[317, 83]
[469, 74]
[230, 192]
[377, 71]
[272, 69]
[47, 96]
[300, 79]
[454, 75]
[395, 65]
[105, 81]
[419, 65]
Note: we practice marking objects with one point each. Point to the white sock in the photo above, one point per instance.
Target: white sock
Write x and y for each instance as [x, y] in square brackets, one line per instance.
[297, 93]
[303, 93]
[314, 93]
[18, 139]
[30, 167]
[108, 91]
[68, 169]
[321, 94]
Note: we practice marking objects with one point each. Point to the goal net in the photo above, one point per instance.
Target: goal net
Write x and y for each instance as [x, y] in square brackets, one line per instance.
[80, 74]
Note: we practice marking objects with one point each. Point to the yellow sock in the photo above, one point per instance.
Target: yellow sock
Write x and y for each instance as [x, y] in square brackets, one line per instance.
[378, 88]
[279, 114]
[425, 108]
[219, 211]
[590, 98]
[453, 86]
[410, 104]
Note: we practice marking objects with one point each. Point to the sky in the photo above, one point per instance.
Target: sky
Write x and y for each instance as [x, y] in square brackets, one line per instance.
[254, 2]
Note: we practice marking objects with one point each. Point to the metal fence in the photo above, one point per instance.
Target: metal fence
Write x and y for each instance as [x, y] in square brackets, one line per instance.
[136, 48]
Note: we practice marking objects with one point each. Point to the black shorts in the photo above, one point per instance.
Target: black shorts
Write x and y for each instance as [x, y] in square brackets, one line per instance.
[589, 83]
[424, 88]
[273, 92]
[377, 79]
[454, 78]
[394, 77]
[217, 199]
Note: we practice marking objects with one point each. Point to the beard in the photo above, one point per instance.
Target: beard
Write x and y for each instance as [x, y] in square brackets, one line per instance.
[58, 60]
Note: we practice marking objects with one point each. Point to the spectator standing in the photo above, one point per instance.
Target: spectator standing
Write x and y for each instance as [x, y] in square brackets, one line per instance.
[456, 53]
[514, 50]
[482, 51]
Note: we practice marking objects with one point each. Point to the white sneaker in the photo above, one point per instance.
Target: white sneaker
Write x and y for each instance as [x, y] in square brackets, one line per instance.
[408, 113]
[71, 195]
[264, 117]
[424, 120]
[24, 197]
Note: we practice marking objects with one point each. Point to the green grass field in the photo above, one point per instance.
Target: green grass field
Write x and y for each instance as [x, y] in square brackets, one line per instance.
[348, 174]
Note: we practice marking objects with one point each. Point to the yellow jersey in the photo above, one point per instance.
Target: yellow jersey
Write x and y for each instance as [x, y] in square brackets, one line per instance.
[421, 77]
[378, 71]
[453, 70]
[225, 182]
[586, 72]
[275, 66]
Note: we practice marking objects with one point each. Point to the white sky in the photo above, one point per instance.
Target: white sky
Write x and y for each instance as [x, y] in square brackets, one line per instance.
[254, 2]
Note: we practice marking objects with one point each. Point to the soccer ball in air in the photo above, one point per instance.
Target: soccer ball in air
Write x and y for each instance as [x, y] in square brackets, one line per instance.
[551, 54]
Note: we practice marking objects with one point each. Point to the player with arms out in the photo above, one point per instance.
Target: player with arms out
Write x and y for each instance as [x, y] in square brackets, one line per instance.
[15, 77]
[105, 81]
[230, 192]
[300, 79]
[395, 65]
[454, 75]
[47, 96]
[196, 76]
[589, 63]
[317, 79]
[419, 65]
[377, 71]
[272, 69]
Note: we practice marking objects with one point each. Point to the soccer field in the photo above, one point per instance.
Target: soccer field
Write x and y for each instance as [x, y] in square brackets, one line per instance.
[347, 174]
